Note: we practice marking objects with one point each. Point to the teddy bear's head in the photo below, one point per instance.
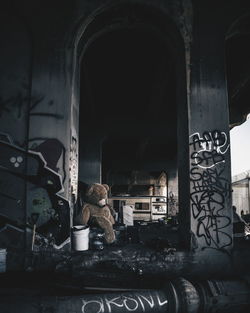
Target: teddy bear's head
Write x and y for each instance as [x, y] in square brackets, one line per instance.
[97, 194]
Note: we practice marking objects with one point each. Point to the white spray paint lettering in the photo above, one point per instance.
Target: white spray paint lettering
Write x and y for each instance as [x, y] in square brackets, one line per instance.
[125, 303]
[211, 148]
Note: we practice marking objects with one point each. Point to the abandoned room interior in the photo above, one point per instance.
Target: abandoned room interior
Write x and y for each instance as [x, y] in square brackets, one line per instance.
[116, 186]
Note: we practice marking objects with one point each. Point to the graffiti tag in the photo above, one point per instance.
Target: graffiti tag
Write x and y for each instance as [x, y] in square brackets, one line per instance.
[209, 188]
[208, 149]
[131, 303]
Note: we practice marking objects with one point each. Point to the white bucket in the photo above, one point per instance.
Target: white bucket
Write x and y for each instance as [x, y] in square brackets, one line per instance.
[3, 260]
[80, 237]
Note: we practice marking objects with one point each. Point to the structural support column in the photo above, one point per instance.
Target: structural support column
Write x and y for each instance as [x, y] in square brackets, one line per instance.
[209, 147]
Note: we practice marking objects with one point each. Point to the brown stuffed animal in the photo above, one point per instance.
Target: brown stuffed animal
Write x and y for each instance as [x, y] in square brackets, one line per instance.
[95, 210]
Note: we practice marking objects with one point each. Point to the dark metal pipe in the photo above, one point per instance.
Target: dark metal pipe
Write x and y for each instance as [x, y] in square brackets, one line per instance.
[136, 301]
[224, 296]
[178, 296]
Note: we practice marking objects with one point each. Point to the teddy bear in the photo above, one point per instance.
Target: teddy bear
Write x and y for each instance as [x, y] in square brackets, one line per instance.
[95, 211]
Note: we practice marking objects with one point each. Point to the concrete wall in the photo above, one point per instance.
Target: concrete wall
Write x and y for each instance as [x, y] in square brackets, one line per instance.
[15, 67]
[15, 82]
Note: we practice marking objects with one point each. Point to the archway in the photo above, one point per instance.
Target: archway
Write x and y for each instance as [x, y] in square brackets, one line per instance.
[133, 102]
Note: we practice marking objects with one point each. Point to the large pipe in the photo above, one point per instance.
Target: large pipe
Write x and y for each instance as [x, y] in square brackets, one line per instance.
[226, 296]
[136, 301]
[178, 296]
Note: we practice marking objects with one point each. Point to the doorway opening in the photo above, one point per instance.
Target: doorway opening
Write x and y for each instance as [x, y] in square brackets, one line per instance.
[129, 122]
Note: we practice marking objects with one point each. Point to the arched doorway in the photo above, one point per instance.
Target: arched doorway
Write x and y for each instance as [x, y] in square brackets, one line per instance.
[133, 112]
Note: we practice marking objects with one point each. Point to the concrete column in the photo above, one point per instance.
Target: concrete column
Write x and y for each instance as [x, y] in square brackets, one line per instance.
[52, 138]
[209, 146]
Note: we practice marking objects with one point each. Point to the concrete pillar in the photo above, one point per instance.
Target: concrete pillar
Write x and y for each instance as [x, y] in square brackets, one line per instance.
[209, 146]
[52, 137]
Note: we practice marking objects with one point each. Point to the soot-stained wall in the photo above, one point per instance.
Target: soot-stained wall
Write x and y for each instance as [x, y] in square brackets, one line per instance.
[15, 81]
[14, 110]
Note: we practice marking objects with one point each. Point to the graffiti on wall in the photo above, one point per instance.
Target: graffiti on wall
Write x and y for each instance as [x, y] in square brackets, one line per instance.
[209, 189]
[46, 182]
[208, 148]
[15, 105]
[41, 170]
[53, 152]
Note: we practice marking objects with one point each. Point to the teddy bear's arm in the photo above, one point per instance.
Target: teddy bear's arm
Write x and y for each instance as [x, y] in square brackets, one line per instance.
[106, 225]
[112, 211]
[112, 220]
[85, 214]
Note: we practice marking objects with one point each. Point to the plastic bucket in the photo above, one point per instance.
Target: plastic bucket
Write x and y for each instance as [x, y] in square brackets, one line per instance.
[3, 260]
[80, 237]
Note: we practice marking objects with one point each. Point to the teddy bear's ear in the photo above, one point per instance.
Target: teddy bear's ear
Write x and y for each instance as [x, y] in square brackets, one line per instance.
[106, 186]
